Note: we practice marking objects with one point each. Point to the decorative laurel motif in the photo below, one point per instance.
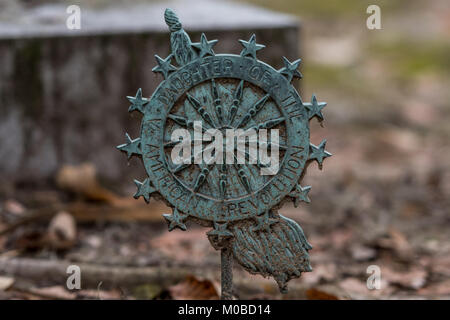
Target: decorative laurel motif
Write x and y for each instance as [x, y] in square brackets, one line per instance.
[279, 250]
[226, 92]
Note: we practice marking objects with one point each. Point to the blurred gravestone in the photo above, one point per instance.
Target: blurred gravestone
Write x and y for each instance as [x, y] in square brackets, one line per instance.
[61, 90]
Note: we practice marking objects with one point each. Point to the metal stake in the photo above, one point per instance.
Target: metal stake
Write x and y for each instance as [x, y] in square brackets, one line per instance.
[226, 257]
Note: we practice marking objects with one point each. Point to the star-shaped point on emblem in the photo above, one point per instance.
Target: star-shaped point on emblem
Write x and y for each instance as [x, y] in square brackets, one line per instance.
[300, 194]
[290, 69]
[144, 189]
[250, 47]
[164, 65]
[315, 108]
[131, 147]
[175, 220]
[137, 102]
[220, 230]
[319, 153]
[263, 222]
[205, 46]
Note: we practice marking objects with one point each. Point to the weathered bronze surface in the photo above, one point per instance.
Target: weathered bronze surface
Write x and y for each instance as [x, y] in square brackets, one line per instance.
[228, 91]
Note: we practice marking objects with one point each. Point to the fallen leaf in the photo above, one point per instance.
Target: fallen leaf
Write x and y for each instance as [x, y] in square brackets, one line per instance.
[82, 180]
[362, 253]
[340, 238]
[183, 246]
[441, 265]
[54, 292]
[31, 240]
[14, 207]
[6, 283]
[94, 241]
[441, 288]
[61, 232]
[397, 242]
[412, 279]
[320, 294]
[98, 294]
[194, 288]
[357, 289]
[323, 271]
[353, 285]
[130, 210]
[10, 253]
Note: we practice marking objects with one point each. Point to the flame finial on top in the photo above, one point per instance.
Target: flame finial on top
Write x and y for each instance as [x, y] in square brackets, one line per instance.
[180, 42]
[172, 20]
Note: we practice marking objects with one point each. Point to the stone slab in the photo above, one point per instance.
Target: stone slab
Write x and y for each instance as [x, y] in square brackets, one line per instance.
[62, 92]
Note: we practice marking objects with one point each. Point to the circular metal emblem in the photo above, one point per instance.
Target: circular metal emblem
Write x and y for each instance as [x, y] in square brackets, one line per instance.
[231, 92]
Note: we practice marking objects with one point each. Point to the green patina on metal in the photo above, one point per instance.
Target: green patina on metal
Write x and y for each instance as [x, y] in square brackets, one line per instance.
[228, 91]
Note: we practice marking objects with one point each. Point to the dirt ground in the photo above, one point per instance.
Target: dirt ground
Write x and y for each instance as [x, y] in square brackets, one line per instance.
[382, 200]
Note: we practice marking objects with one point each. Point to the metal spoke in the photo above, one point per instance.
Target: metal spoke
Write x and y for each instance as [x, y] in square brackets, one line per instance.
[248, 157]
[268, 124]
[217, 102]
[204, 171]
[223, 179]
[183, 166]
[182, 121]
[280, 146]
[269, 144]
[236, 102]
[253, 111]
[242, 176]
[201, 178]
[200, 109]
[168, 144]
